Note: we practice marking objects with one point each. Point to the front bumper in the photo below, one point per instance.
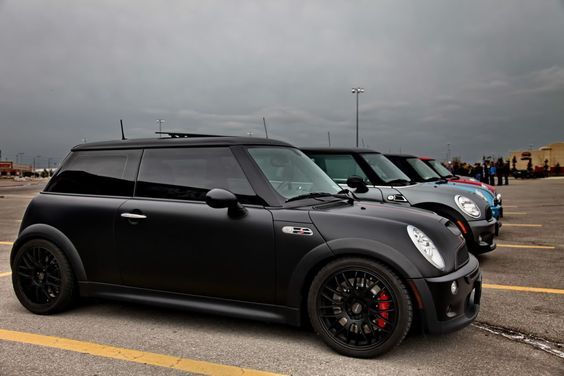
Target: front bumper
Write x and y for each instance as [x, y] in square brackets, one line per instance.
[483, 233]
[441, 311]
[497, 211]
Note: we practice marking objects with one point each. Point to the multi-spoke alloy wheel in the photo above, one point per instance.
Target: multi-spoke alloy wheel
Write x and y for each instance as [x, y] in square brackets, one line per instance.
[359, 307]
[42, 278]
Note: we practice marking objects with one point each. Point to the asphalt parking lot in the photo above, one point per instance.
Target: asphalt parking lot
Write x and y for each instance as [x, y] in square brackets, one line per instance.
[520, 329]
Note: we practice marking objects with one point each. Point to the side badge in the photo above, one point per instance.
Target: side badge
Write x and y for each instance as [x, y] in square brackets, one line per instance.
[297, 230]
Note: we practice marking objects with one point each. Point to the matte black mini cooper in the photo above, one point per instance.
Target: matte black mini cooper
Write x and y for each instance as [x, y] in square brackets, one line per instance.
[245, 227]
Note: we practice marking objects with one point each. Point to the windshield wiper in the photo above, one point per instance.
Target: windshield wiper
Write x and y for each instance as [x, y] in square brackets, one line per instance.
[398, 181]
[309, 195]
[342, 194]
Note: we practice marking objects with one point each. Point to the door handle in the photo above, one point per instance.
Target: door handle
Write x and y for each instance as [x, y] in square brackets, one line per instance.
[133, 216]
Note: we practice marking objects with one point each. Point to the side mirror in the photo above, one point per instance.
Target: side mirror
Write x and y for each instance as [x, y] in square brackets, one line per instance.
[357, 183]
[218, 198]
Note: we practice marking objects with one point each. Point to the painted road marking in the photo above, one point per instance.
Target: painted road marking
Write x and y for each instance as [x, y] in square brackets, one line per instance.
[520, 225]
[523, 288]
[5, 274]
[510, 206]
[515, 213]
[129, 355]
[525, 246]
[6, 243]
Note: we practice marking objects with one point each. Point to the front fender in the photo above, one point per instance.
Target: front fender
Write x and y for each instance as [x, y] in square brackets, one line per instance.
[376, 250]
[43, 231]
[324, 253]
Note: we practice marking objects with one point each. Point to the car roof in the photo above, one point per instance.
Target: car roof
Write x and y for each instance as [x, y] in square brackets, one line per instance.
[179, 142]
[401, 155]
[338, 150]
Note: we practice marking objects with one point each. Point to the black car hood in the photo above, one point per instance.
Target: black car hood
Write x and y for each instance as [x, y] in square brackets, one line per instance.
[386, 224]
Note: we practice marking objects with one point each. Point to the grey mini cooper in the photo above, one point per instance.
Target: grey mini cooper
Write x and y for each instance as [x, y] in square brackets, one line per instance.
[376, 178]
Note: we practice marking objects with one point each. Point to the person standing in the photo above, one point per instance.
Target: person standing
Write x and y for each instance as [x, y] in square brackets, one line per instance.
[492, 173]
[486, 175]
[506, 169]
[499, 171]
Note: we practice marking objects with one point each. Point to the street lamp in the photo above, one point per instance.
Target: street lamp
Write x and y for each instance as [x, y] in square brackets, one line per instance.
[357, 91]
[36, 157]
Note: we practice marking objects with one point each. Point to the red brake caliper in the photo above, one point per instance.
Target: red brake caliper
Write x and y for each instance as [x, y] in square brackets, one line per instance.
[383, 306]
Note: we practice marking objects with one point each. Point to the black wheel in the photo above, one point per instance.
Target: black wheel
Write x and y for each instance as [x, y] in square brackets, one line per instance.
[42, 278]
[359, 307]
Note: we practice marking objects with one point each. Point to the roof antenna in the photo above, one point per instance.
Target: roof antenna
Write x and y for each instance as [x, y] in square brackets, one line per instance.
[122, 134]
[265, 130]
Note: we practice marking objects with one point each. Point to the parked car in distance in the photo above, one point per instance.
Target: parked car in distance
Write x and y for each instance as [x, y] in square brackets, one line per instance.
[419, 171]
[245, 227]
[380, 180]
[444, 173]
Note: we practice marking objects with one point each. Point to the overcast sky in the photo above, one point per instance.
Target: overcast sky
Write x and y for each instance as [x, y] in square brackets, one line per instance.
[485, 77]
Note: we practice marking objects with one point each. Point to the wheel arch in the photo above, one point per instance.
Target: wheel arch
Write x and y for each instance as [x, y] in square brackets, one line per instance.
[322, 255]
[443, 210]
[54, 235]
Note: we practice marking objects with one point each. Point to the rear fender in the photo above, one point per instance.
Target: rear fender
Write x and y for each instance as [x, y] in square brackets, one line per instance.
[46, 232]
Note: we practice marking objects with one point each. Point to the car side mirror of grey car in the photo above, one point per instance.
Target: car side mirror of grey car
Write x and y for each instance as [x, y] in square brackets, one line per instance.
[357, 183]
[218, 198]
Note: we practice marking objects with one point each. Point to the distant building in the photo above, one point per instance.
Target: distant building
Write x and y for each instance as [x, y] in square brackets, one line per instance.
[8, 168]
[554, 153]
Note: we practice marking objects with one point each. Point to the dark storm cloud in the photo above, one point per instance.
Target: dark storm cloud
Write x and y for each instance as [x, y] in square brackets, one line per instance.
[485, 77]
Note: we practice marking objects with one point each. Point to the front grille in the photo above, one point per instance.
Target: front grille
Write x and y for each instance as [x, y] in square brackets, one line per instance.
[489, 213]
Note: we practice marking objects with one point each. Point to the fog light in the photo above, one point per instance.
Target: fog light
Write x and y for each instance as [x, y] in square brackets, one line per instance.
[450, 312]
[453, 288]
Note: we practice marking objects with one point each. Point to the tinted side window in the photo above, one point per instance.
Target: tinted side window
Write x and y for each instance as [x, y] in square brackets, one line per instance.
[104, 172]
[189, 173]
[339, 167]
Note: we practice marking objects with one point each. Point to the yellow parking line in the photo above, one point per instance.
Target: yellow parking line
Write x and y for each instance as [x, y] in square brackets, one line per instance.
[5, 274]
[520, 225]
[515, 213]
[6, 243]
[135, 356]
[525, 246]
[522, 288]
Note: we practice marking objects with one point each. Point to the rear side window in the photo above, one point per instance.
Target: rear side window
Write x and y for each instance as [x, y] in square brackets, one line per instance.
[104, 172]
[189, 173]
[339, 167]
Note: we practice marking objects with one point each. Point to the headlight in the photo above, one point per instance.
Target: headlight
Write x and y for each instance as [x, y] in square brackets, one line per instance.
[479, 193]
[426, 247]
[498, 196]
[467, 206]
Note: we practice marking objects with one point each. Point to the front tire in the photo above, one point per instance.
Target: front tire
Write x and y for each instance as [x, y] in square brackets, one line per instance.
[42, 278]
[359, 307]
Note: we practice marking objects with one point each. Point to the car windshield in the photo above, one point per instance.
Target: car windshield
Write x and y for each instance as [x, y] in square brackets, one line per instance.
[425, 172]
[384, 168]
[291, 173]
[440, 169]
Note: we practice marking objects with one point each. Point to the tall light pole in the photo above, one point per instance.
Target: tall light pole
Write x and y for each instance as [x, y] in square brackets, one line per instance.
[357, 91]
[160, 122]
[34, 158]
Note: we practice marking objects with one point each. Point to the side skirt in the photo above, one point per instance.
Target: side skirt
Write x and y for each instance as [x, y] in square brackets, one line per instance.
[215, 306]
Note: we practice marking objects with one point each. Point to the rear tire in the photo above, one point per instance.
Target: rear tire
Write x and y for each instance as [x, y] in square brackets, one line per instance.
[42, 278]
[359, 307]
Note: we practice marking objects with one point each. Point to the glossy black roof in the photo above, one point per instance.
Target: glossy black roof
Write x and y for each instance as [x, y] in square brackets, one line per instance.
[329, 150]
[179, 142]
